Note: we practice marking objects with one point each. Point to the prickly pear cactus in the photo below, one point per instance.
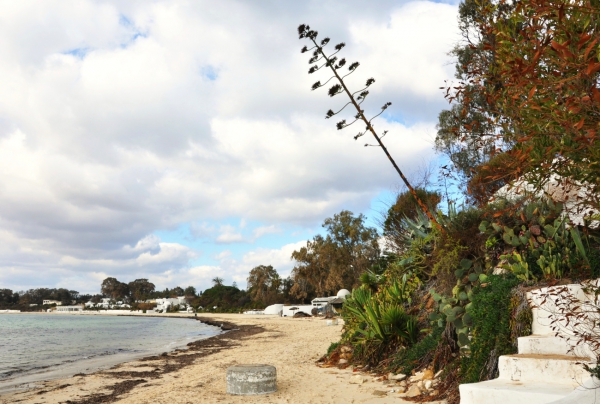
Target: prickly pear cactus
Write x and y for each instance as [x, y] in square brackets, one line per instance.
[456, 309]
[551, 246]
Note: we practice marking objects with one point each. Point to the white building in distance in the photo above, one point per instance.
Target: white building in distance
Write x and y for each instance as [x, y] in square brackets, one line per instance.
[164, 304]
[63, 309]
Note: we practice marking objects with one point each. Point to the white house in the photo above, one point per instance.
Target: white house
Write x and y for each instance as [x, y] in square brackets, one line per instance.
[103, 303]
[69, 308]
[107, 303]
[56, 302]
[164, 304]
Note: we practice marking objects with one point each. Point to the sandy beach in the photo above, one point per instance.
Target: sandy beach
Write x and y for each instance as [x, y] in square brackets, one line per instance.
[197, 375]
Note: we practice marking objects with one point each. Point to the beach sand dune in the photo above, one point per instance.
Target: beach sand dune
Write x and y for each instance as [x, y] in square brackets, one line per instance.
[197, 375]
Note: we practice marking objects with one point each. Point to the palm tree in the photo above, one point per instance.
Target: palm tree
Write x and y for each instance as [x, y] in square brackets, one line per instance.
[217, 281]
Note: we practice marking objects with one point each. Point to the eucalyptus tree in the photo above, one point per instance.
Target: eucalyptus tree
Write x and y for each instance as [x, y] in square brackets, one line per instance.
[112, 288]
[141, 289]
[264, 284]
[337, 260]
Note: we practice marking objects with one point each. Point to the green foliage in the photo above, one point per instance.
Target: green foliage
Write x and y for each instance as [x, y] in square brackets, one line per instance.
[465, 134]
[369, 280]
[413, 356]
[190, 291]
[114, 289]
[523, 107]
[226, 298]
[521, 317]
[380, 317]
[457, 308]
[532, 242]
[22, 300]
[449, 255]
[405, 213]
[264, 285]
[332, 347]
[142, 289]
[593, 254]
[328, 264]
[491, 329]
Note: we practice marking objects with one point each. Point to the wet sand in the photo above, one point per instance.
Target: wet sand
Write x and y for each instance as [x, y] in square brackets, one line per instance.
[197, 374]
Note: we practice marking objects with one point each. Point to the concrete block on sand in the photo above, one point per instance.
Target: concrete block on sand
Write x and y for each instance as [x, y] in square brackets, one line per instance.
[251, 380]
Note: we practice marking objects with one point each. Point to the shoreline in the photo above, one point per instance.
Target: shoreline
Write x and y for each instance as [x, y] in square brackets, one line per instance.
[197, 374]
[129, 370]
[35, 378]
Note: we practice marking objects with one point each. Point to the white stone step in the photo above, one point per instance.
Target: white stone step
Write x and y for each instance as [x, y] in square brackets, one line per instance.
[586, 394]
[551, 345]
[501, 391]
[543, 345]
[548, 368]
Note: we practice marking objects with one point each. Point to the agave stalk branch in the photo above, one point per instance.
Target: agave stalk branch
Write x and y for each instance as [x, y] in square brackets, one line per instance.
[370, 128]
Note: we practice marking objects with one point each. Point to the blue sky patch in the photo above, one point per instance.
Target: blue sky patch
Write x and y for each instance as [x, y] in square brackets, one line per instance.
[209, 72]
[78, 52]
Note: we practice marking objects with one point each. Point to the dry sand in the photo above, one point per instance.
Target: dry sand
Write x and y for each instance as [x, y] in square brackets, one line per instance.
[198, 374]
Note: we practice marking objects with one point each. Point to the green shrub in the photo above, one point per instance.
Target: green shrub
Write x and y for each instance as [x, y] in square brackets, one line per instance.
[536, 242]
[412, 357]
[491, 329]
[332, 347]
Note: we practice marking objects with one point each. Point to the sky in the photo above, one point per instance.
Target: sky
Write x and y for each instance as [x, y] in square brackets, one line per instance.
[179, 140]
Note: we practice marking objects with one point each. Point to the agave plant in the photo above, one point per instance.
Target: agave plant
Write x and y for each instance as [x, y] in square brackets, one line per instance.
[399, 324]
[380, 317]
[369, 280]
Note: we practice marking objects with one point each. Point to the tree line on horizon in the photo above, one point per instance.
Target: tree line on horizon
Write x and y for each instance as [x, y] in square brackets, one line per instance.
[328, 263]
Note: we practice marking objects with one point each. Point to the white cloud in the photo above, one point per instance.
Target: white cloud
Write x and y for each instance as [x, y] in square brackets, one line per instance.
[279, 258]
[222, 255]
[121, 119]
[263, 230]
[229, 235]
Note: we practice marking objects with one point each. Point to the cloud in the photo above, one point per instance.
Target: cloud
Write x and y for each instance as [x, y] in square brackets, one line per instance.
[202, 230]
[229, 235]
[279, 258]
[264, 230]
[119, 120]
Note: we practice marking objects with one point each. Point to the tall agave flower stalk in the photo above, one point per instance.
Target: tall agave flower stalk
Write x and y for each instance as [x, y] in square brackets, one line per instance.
[320, 60]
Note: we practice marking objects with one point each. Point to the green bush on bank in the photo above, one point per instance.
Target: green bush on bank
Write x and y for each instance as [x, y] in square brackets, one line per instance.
[415, 356]
[462, 318]
[491, 329]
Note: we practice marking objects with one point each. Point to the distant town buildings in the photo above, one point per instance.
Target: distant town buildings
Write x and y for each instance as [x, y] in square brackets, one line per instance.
[56, 302]
[107, 303]
[166, 303]
[162, 305]
[69, 308]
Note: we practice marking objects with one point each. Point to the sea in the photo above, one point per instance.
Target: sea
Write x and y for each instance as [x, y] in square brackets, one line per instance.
[38, 347]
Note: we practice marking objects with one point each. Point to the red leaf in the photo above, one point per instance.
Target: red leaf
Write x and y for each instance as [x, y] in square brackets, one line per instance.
[583, 40]
[596, 94]
[589, 48]
[593, 68]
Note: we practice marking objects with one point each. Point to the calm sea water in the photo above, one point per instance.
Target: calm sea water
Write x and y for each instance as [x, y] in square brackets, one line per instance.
[36, 347]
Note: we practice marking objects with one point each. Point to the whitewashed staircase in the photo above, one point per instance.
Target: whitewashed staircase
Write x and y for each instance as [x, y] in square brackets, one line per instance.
[542, 372]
